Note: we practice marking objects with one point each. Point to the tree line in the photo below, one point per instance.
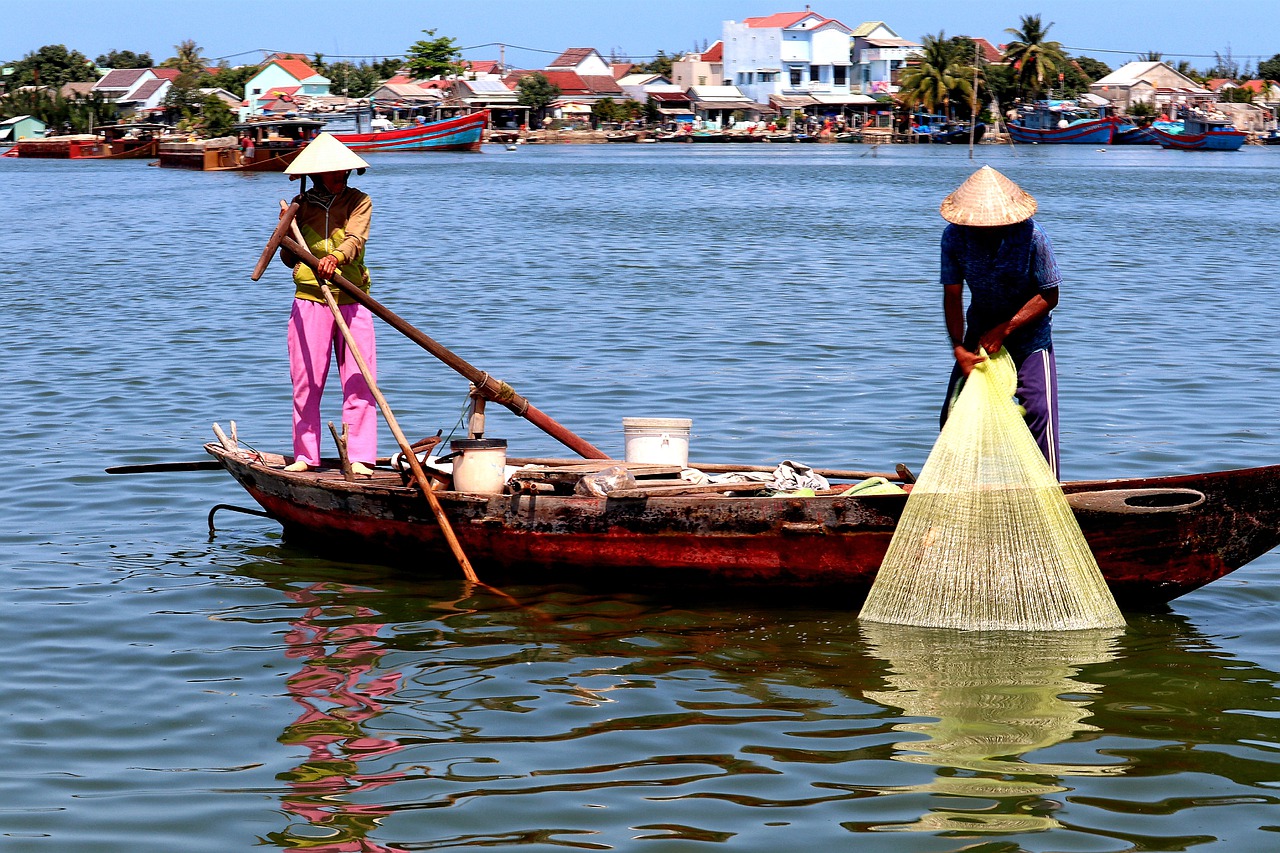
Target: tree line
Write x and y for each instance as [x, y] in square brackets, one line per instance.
[1034, 67]
[32, 84]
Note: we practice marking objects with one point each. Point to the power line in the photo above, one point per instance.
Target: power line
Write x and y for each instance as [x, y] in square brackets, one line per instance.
[1163, 53]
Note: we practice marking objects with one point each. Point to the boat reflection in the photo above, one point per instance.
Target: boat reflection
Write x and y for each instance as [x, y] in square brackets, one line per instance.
[339, 688]
[996, 698]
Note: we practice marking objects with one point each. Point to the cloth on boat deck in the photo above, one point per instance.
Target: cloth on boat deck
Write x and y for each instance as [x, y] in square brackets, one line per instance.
[787, 477]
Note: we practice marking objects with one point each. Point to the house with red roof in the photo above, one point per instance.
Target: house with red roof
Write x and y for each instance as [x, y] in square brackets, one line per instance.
[135, 90]
[280, 81]
[583, 78]
[699, 69]
[793, 61]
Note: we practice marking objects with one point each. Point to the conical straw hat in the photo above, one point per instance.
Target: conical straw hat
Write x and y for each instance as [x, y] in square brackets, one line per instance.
[325, 154]
[987, 199]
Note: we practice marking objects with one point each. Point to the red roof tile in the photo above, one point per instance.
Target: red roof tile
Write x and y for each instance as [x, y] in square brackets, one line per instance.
[121, 78]
[296, 68]
[782, 19]
[572, 57]
[147, 89]
[715, 53]
[166, 73]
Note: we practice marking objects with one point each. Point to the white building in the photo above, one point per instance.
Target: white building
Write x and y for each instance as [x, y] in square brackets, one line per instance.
[791, 53]
[879, 55]
[1156, 83]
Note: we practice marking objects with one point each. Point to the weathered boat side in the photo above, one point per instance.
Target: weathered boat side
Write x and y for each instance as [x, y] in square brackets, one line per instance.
[463, 133]
[1151, 542]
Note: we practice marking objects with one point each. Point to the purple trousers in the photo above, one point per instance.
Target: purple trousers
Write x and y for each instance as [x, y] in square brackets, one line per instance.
[313, 338]
[1037, 392]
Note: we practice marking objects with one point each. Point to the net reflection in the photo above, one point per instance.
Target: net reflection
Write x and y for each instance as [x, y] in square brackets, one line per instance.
[338, 687]
[996, 697]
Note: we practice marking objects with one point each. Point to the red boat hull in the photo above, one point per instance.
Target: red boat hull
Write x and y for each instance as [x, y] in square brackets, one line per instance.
[1154, 539]
[463, 133]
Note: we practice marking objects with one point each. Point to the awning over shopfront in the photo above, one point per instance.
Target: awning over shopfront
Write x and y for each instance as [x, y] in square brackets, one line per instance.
[731, 105]
[845, 100]
[792, 102]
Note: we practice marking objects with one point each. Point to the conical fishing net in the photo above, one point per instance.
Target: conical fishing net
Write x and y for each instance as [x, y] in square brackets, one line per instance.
[987, 540]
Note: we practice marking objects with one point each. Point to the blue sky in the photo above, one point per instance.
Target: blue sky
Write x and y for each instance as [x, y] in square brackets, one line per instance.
[237, 29]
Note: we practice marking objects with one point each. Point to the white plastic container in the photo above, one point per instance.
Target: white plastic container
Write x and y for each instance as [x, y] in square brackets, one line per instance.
[480, 467]
[661, 441]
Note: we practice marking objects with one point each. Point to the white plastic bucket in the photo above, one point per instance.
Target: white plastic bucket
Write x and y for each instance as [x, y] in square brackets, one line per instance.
[661, 441]
[480, 467]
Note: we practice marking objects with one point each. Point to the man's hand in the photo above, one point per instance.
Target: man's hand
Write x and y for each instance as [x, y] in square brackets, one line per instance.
[993, 339]
[968, 360]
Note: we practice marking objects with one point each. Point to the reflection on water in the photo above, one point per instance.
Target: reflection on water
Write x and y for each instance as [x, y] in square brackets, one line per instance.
[145, 666]
[339, 689]
[433, 721]
[996, 697]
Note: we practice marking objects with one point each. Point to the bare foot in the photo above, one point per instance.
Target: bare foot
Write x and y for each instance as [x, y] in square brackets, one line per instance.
[297, 467]
[361, 470]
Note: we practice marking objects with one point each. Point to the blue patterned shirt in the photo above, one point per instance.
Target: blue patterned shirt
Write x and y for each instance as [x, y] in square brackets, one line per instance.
[1004, 268]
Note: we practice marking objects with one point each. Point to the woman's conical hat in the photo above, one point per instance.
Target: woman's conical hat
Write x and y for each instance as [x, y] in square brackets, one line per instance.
[987, 199]
[325, 154]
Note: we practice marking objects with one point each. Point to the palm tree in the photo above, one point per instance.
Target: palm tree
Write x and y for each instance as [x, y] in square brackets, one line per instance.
[189, 58]
[1034, 57]
[939, 79]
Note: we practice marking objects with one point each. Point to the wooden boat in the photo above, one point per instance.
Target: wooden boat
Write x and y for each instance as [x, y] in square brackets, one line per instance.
[1061, 123]
[276, 143]
[1154, 538]
[1202, 132]
[53, 147]
[958, 134]
[463, 133]
[133, 141]
[708, 136]
[780, 137]
[622, 136]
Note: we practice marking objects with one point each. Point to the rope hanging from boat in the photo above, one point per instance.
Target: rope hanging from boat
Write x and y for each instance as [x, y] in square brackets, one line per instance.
[987, 540]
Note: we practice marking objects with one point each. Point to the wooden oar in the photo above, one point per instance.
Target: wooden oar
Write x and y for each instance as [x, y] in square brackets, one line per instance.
[165, 467]
[419, 475]
[282, 227]
[486, 385]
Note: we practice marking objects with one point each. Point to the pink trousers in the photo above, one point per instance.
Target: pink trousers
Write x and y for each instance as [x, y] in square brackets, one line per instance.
[313, 335]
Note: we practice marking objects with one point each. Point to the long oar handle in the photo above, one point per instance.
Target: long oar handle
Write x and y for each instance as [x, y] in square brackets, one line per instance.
[489, 387]
[282, 227]
[406, 451]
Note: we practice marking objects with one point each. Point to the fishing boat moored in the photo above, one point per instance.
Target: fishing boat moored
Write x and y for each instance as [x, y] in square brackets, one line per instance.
[132, 141]
[1202, 131]
[1060, 123]
[276, 143]
[463, 133]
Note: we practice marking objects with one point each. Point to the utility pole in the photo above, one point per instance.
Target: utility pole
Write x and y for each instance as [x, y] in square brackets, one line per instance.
[973, 96]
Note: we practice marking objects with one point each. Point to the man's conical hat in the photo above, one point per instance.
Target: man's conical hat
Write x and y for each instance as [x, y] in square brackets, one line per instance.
[987, 199]
[325, 154]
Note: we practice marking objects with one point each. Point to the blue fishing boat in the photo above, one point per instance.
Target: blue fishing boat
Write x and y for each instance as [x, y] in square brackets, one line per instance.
[1061, 123]
[1203, 132]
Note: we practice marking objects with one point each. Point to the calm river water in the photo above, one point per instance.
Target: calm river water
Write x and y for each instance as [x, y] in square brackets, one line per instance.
[170, 690]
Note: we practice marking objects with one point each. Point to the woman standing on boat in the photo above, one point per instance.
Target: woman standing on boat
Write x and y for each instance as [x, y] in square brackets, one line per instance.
[334, 220]
[994, 246]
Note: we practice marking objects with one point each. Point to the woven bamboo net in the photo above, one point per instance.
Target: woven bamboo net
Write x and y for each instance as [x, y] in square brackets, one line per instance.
[987, 540]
